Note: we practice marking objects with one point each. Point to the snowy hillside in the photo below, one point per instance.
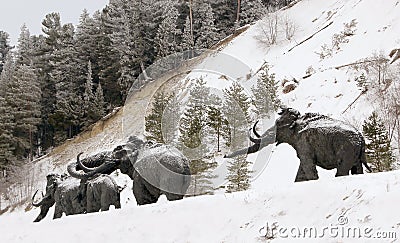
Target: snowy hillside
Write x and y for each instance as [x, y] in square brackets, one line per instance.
[364, 203]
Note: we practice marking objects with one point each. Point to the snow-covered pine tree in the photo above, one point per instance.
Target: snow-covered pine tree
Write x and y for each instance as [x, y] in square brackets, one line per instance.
[225, 16]
[88, 99]
[239, 174]
[68, 75]
[167, 32]
[153, 124]
[7, 124]
[205, 32]
[23, 95]
[187, 41]
[24, 47]
[107, 60]
[266, 99]
[170, 121]
[378, 149]
[216, 120]
[251, 11]
[4, 48]
[236, 109]
[99, 103]
[6, 136]
[192, 123]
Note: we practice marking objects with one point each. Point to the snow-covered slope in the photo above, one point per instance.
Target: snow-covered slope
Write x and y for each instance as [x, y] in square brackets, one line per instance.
[368, 202]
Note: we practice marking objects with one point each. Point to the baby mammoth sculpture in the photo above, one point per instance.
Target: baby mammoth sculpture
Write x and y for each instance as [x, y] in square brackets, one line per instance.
[318, 140]
[72, 196]
[154, 168]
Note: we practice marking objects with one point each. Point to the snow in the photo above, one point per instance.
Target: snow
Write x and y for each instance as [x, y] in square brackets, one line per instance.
[367, 201]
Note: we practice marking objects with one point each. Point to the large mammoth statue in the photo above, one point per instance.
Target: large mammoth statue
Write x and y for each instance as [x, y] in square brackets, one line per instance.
[154, 168]
[72, 196]
[318, 140]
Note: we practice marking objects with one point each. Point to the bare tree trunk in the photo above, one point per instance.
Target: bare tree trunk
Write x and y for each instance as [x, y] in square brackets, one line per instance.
[191, 20]
[238, 11]
[30, 144]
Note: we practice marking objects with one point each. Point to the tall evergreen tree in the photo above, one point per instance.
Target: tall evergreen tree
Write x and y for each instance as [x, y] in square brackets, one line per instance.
[24, 48]
[68, 75]
[167, 32]
[45, 48]
[192, 124]
[4, 48]
[216, 120]
[205, 32]
[6, 136]
[251, 11]
[378, 149]
[187, 41]
[154, 119]
[236, 109]
[238, 174]
[99, 102]
[225, 16]
[265, 94]
[23, 95]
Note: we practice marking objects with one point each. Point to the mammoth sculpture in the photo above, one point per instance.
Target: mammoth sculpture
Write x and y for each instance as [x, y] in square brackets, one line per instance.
[154, 168]
[318, 140]
[72, 196]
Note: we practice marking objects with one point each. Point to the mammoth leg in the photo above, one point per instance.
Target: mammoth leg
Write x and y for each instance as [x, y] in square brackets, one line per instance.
[142, 194]
[58, 211]
[307, 170]
[357, 169]
[342, 170]
[173, 197]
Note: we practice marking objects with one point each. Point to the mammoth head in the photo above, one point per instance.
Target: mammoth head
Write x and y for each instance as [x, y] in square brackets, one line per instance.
[288, 117]
[125, 157]
[286, 124]
[47, 200]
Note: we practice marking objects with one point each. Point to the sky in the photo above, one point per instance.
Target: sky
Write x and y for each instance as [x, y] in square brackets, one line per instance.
[14, 13]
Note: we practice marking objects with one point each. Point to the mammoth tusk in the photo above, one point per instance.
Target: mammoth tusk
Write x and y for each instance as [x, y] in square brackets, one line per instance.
[254, 140]
[33, 200]
[255, 131]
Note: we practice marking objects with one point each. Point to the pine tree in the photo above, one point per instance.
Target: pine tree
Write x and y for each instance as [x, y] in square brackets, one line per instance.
[23, 95]
[88, 99]
[251, 11]
[238, 174]
[187, 42]
[265, 94]
[225, 16]
[46, 46]
[6, 135]
[216, 119]
[236, 109]
[170, 121]
[24, 47]
[4, 48]
[99, 103]
[154, 119]
[378, 149]
[167, 32]
[192, 123]
[69, 76]
[205, 32]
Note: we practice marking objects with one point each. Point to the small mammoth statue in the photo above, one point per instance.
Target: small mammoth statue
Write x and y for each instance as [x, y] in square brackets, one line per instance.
[73, 196]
